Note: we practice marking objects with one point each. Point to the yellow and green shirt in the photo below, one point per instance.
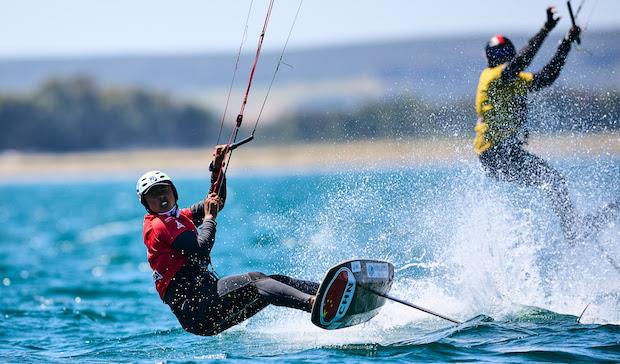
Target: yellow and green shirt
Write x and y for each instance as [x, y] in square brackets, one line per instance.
[501, 106]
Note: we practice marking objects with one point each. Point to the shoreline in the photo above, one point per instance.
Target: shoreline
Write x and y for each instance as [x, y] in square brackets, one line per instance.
[19, 166]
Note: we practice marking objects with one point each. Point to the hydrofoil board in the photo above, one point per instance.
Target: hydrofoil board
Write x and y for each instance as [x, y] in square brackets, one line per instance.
[348, 295]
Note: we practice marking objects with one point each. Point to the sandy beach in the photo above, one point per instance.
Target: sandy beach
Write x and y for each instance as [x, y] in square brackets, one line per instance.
[16, 166]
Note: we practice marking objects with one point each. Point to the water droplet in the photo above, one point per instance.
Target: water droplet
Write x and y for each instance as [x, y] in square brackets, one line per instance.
[105, 259]
[97, 272]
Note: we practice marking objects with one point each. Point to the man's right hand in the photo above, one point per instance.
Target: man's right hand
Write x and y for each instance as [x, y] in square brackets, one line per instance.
[551, 20]
[213, 202]
[573, 34]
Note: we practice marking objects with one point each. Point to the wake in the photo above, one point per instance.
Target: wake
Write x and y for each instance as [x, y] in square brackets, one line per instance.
[463, 245]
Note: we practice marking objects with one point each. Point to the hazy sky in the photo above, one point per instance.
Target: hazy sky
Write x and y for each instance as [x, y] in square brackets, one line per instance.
[88, 27]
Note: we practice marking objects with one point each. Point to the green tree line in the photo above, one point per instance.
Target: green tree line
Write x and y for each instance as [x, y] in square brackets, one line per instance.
[405, 116]
[78, 115]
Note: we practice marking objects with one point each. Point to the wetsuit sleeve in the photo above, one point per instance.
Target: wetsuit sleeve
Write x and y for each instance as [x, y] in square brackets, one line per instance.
[222, 189]
[551, 71]
[198, 212]
[190, 244]
[525, 56]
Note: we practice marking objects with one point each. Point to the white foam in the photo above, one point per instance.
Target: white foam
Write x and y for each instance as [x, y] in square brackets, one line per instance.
[462, 247]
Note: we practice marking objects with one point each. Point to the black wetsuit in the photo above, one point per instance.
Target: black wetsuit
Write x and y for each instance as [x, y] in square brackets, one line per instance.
[507, 160]
[207, 305]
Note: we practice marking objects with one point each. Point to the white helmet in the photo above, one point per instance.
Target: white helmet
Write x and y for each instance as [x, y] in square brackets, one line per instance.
[150, 179]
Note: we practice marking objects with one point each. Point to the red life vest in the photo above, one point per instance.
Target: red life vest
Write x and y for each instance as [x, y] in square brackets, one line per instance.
[159, 233]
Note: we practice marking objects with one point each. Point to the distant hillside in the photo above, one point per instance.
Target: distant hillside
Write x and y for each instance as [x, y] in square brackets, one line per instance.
[324, 77]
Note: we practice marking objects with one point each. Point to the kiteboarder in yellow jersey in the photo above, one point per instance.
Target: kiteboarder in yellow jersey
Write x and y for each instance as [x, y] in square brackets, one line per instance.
[501, 106]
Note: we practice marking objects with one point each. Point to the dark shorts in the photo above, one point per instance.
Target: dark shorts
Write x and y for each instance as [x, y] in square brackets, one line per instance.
[509, 161]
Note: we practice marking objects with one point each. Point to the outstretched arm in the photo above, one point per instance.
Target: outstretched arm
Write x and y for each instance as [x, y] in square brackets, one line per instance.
[221, 187]
[219, 153]
[551, 71]
[526, 55]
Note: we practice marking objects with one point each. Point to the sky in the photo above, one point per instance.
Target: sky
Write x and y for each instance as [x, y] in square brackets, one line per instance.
[77, 28]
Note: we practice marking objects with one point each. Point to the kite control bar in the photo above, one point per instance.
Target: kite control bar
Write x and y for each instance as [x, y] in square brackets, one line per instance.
[234, 146]
[572, 19]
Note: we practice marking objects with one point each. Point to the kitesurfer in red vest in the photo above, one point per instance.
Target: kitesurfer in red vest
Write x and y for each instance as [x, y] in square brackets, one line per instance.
[501, 106]
[179, 254]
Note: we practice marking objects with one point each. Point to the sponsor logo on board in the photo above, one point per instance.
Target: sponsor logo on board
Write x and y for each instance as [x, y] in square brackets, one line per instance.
[337, 298]
[378, 270]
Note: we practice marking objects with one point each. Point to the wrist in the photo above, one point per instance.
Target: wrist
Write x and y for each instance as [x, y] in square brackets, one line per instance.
[566, 42]
[212, 167]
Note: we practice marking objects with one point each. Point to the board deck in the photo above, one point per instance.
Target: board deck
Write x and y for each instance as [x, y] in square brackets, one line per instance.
[346, 298]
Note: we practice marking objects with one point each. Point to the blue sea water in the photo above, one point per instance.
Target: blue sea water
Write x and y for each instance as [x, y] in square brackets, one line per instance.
[75, 285]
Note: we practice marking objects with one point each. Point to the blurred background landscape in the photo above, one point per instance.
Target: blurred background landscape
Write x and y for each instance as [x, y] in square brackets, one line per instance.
[416, 81]
[405, 89]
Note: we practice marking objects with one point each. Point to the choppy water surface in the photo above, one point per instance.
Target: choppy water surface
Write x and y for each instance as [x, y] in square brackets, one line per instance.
[75, 286]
